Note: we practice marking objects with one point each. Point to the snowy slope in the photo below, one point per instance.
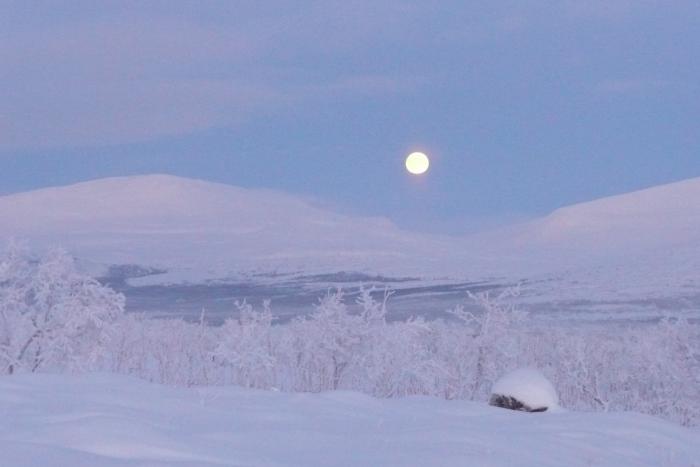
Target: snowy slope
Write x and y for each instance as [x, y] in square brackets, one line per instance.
[208, 229]
[109, 420]
[667, 215]
[642, 246]
[656, 219]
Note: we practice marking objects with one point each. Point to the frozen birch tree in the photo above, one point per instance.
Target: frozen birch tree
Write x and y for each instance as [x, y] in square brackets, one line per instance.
[51, 316]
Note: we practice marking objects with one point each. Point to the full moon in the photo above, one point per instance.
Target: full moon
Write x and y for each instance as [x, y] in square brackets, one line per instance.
[417, 163]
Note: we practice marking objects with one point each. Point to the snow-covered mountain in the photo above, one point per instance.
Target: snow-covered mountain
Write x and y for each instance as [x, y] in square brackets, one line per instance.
[639, 246]
[642, 246]
[207, 230]
[662, 217]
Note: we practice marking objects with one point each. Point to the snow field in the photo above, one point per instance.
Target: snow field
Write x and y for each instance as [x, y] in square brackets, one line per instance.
[112, 420]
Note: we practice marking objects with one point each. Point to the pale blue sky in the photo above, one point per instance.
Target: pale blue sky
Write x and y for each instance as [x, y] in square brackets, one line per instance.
[524, 106]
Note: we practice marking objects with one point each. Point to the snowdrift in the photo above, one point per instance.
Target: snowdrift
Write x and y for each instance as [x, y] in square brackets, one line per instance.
[110, 420]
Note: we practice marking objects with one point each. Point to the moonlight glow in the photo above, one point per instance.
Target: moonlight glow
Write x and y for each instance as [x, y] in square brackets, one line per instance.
[417, 163]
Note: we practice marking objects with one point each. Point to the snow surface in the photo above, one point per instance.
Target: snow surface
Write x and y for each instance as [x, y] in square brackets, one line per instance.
[529, 386]
[110, 420]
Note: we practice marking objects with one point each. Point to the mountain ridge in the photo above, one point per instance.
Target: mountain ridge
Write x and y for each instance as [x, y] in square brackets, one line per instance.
[214, 229]
[168, 221]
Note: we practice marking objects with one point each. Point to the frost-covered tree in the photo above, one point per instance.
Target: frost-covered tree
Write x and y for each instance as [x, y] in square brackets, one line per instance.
[325, 344]
[245, 346]
[491, 336]
[51, 316]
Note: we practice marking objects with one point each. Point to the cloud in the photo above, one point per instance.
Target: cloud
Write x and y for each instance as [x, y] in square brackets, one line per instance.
[124, 78]
[103, 83]
[128, 71]
[87, 112]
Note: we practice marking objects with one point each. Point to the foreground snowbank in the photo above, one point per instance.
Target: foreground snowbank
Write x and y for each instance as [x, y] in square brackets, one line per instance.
[111, 420]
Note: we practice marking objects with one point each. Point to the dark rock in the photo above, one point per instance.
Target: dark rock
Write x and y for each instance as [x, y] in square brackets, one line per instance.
[508, 402]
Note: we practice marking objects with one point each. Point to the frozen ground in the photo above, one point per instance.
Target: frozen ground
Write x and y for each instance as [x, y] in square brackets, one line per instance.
[109, 420]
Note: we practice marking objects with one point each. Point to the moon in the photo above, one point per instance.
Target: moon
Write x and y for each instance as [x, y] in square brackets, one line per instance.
[417, 163]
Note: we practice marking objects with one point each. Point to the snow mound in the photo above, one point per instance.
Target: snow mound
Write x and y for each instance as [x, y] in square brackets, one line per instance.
[110, 420]
[528, 386]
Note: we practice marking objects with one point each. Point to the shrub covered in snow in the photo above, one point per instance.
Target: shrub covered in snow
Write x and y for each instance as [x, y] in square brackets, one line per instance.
[52, 317]
[525, 389]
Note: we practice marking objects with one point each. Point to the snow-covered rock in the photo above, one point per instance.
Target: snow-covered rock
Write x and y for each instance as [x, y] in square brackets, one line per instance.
[525, 389]
[109, 420]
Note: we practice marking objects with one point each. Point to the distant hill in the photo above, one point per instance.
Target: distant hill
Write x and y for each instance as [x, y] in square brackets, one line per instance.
[662, 216]
[642, 246]
[208, 229]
